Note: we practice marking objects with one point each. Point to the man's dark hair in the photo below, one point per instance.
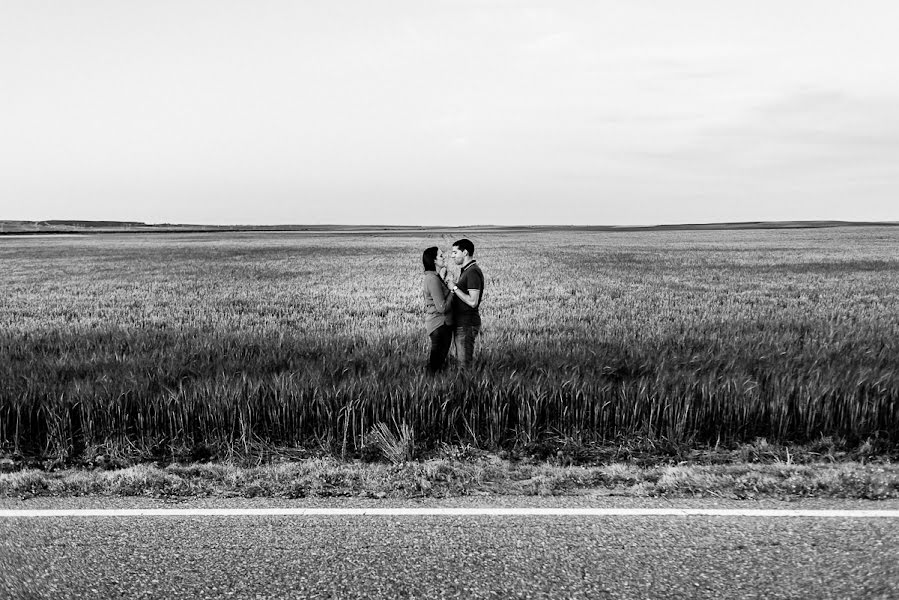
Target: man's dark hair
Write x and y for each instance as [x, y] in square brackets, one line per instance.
[429, 258]
[465, 244]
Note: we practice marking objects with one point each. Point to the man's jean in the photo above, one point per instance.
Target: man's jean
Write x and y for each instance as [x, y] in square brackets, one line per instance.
[463, 339]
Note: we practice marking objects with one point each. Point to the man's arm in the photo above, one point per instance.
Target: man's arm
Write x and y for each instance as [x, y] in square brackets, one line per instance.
[471, 298]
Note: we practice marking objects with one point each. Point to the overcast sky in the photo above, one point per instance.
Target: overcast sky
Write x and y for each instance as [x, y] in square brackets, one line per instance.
[449, 111]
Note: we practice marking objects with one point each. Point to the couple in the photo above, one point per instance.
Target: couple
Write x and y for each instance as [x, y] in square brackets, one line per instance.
[451, 310]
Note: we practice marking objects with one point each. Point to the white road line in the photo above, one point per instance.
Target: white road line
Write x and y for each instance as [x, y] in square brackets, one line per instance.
[450, 512]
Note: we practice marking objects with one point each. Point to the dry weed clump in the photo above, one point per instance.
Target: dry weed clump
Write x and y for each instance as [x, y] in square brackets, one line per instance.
[172, 346]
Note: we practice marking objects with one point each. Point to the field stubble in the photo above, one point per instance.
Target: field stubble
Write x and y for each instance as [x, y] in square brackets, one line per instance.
[193, 345]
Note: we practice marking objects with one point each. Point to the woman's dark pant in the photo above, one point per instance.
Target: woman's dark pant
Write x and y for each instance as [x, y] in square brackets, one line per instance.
[441, 339]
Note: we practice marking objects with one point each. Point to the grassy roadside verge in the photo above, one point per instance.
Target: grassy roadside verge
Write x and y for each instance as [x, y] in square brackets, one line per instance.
[449, 477]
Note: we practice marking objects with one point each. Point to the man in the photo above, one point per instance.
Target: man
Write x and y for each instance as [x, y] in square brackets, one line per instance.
[467, 294]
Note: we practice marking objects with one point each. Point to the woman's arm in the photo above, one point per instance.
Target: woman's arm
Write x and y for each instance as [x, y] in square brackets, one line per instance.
[439, 294]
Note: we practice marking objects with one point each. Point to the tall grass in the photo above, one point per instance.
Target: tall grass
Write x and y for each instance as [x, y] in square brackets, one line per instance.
[148, 344]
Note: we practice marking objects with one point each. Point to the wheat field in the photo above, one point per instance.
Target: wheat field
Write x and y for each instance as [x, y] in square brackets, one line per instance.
[142, 344]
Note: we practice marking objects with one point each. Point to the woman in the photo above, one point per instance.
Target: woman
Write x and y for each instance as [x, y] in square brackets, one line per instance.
[438, 319]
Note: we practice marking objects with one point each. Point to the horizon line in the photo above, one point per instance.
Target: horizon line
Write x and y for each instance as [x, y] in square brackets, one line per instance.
[123, 223]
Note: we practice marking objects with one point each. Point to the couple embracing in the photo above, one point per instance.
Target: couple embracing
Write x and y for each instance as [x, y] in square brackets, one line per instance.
[451, 309]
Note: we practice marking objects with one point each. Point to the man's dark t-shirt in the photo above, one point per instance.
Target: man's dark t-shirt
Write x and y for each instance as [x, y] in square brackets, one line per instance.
[471, 278]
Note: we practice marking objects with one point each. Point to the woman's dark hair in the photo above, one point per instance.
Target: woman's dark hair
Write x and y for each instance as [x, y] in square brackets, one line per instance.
[429, 258]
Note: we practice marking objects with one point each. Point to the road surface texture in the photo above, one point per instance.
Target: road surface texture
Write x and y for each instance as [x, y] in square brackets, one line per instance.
[447, 556]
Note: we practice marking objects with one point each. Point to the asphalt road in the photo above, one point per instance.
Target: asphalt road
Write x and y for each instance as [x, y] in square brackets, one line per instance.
[449, 557]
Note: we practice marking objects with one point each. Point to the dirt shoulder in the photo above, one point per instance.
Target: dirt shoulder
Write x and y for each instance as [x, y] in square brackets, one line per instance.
[488, 475]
